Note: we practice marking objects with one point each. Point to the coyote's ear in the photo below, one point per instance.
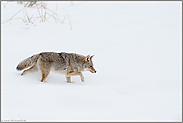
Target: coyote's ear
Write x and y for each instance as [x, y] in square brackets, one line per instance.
[86, 59]
[91, 57]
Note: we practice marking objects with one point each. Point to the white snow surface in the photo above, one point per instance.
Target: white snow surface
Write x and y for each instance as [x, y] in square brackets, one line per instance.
[137, 48]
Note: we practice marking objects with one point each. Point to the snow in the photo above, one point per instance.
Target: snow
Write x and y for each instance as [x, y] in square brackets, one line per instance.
[138, 53]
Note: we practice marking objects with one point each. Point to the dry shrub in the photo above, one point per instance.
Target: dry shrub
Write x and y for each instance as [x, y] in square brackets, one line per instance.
[43, 12]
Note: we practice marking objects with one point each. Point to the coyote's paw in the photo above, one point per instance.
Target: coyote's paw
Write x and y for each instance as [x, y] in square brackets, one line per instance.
[82, 79]
[22, 73]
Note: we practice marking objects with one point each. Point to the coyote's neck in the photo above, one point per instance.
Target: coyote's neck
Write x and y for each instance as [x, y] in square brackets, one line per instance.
[78, 59]
[73, 57]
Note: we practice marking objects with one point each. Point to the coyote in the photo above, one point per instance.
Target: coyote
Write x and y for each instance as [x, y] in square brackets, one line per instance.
[70, 64]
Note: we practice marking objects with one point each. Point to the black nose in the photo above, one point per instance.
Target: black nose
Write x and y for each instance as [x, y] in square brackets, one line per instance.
[95, 71]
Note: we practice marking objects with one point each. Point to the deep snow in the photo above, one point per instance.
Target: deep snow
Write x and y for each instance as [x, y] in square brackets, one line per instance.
[137, 48]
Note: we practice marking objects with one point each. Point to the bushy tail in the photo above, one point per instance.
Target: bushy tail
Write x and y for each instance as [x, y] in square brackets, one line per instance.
[27, 62]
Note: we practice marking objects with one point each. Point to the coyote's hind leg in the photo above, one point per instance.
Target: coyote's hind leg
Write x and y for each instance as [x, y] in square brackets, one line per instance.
[31, 69]
[44, 75]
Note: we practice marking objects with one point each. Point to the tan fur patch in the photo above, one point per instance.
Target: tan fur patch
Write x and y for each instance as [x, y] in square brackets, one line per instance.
[84, 60]
[91, 57]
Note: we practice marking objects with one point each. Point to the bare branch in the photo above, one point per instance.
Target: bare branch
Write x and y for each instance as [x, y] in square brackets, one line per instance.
[12, 19]
[64, 18]
[39, 14]
[16, 14]
[4, 5]
[70, 22]
[54, 17]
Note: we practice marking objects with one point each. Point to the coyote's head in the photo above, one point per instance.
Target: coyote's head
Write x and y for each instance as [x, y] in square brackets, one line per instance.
[88, 64]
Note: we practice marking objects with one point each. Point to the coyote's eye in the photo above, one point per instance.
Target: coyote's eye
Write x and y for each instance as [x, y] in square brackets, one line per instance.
[90, 66]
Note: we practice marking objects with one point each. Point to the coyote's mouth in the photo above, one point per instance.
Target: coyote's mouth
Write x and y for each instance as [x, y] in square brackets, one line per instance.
[93, 71]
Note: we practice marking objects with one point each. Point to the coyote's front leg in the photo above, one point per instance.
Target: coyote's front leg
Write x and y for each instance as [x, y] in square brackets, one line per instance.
[72, 73]
[68, 79]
